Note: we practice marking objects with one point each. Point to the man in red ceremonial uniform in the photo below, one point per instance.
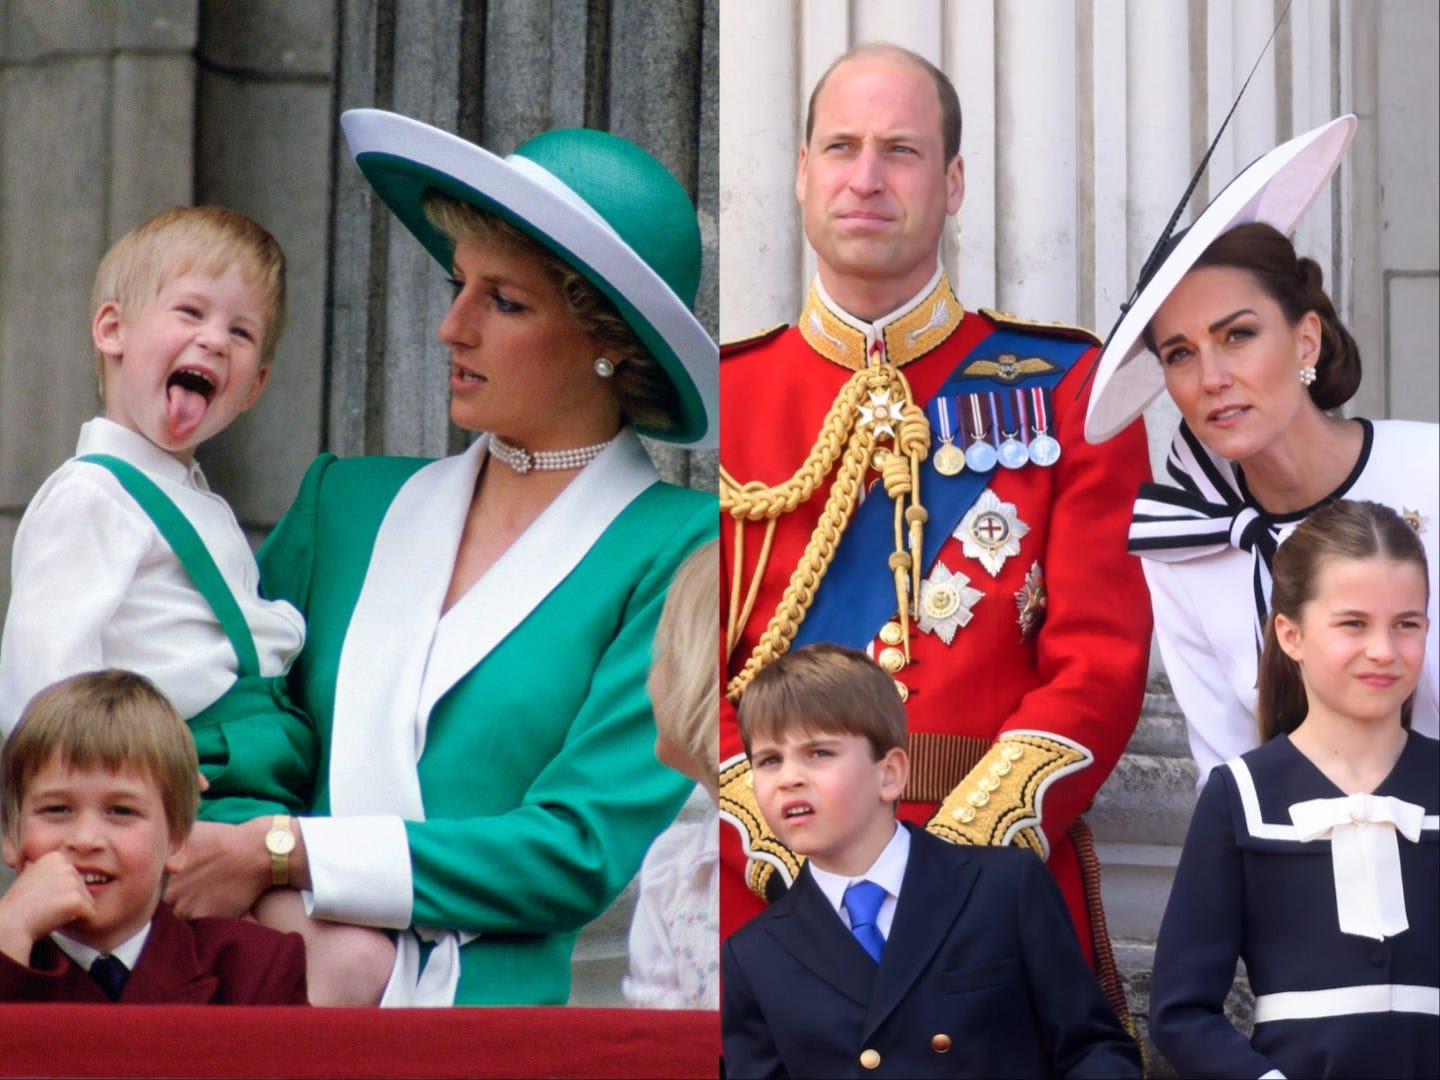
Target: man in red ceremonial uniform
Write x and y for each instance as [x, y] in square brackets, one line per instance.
[908, 477]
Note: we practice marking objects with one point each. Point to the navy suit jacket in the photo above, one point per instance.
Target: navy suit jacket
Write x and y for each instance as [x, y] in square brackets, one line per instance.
[981, 976]
[195, 962]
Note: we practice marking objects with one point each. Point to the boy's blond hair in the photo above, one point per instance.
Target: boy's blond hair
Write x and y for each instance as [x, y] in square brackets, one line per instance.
[825, 689]
[211, 239]
[115, 720]
[685, 674]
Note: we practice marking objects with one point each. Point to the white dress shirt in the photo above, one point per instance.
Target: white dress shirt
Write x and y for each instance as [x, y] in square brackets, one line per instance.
[127, 952]
[887, 871]
[95, 585]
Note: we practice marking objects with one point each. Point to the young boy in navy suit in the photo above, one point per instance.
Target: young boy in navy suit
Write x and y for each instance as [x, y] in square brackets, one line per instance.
[894, 953]
[101, 784]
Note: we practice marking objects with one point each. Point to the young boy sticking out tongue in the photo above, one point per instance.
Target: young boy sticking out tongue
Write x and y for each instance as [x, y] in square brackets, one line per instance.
[126, 559]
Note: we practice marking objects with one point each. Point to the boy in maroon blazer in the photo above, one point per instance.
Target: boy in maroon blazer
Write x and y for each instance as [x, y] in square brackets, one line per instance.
[101, 785]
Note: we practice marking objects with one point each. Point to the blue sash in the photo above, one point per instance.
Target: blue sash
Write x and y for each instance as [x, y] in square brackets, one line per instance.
[857, 594]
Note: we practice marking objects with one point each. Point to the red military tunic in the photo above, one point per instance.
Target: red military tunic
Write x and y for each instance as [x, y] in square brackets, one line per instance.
[1020, 726]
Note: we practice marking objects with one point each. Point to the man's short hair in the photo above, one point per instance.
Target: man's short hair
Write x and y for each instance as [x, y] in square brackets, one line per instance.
[113, 720]
[824, 688]
[950, 121]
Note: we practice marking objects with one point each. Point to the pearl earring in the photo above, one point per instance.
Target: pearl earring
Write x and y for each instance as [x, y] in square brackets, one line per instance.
[603, 367]
[1307, 374]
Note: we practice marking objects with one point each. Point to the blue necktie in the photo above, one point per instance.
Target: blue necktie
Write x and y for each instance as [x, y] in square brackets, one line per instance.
[111, 974]
[862, 903]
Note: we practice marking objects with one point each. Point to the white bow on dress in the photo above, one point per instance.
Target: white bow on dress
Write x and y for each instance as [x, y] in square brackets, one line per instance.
[1365, 855]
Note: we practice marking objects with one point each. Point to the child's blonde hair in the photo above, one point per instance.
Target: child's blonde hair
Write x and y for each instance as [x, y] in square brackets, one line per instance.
[115, 720]
[828, 689]
[685, 674]
[210, 239]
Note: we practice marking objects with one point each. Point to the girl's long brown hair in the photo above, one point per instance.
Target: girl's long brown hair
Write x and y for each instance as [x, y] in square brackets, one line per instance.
[1345, 529]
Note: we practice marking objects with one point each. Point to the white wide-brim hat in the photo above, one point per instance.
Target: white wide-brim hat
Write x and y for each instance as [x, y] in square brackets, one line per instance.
[1276, 189]
[597, 201]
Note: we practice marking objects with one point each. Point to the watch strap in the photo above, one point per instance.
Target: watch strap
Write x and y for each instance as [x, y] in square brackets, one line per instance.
[280, 861]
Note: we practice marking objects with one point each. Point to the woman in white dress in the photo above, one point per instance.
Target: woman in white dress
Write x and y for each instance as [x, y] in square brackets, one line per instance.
[1238, 329]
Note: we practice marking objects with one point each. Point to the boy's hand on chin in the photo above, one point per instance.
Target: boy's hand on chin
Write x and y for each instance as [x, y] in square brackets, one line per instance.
[48, 895]
[225, 872]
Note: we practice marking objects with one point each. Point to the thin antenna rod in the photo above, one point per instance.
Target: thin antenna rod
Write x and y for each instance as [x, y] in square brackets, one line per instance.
[1153, 260]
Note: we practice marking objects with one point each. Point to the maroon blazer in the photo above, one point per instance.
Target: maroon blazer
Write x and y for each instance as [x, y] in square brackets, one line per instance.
[199, 962]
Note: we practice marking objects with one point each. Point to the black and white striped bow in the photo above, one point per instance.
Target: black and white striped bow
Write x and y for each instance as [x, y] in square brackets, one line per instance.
[1204, 512]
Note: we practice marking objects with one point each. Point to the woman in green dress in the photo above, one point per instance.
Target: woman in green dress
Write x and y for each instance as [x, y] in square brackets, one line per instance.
[479, 627]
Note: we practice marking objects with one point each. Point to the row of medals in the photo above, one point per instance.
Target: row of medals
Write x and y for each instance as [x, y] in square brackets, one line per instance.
[995, 423]
[1019, 411]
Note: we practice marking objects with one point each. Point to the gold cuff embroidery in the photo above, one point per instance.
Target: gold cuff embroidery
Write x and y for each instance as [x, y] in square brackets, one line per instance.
[998, 802]
[771, 866]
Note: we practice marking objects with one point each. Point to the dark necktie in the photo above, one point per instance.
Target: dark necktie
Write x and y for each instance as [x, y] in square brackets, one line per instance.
[862, 903]
[111, 974]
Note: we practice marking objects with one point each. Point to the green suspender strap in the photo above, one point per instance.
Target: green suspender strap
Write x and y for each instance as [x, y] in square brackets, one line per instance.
[255, 748]
[194, 556]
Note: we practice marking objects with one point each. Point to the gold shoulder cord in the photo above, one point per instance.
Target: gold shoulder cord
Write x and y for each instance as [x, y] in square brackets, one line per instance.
[874, 411]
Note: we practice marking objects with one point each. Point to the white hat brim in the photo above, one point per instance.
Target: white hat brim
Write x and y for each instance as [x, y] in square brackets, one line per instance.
[1277, 189]
[541, 204]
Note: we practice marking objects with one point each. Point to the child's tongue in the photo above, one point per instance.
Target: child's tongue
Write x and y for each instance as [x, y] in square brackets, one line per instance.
[185, 409]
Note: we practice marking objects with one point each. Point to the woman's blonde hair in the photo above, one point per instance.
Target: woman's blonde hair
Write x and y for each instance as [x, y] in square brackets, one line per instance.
[112, 720]
[647, 396]
[685, 673]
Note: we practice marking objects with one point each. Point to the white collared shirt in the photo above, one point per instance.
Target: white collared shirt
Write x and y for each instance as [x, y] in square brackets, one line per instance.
[95, 585]
[887, 871]
[127, 952]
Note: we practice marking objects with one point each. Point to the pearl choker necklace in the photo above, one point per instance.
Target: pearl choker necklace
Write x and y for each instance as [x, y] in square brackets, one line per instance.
[523, 461]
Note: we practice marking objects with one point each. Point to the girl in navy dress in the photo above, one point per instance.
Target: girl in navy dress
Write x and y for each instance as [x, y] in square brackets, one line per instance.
[1314, 857]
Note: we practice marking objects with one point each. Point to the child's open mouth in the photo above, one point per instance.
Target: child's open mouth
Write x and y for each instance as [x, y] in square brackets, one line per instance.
[187, 395]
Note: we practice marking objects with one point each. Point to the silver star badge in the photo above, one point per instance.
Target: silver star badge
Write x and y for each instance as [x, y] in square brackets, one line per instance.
[946, 600]
[991, 532]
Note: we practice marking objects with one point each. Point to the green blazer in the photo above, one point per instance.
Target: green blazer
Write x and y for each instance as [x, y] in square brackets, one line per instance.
[536, 771]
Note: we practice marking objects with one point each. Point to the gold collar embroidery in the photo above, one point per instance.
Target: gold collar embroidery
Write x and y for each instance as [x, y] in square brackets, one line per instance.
[905, 335]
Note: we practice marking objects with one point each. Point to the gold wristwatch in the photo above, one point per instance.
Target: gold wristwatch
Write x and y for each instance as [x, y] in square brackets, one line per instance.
[279, 842]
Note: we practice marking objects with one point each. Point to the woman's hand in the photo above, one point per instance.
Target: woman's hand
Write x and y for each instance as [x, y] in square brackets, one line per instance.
[225, 872]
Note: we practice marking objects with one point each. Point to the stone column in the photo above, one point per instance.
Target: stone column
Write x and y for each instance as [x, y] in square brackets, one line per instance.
[96, 112]
[262, 137]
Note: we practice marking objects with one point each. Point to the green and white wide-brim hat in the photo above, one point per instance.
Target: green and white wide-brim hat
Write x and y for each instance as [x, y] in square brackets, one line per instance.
[1277, 188]
[601, 203]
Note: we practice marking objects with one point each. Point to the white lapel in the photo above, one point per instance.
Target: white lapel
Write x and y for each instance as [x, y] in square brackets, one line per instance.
[538, 561]
[401, 656]
[375, 743]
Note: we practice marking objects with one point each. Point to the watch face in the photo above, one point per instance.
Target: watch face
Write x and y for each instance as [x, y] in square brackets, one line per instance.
[280, 841]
